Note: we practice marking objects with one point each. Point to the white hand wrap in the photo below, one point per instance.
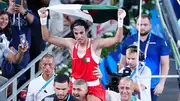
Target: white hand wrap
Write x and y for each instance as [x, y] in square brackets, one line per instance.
[121, 18]
[43, 20]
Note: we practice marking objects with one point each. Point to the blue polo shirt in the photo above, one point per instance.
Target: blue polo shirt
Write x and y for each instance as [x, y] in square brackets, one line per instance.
[157, 47]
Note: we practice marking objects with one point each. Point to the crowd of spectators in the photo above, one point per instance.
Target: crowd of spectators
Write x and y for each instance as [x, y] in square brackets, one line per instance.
[17, 20]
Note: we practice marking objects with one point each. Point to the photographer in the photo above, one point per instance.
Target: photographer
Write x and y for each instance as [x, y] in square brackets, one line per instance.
[143, 71]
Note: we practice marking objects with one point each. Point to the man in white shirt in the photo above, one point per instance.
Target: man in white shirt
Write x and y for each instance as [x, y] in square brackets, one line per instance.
[126, 89]
[42, 86]
[143, 71]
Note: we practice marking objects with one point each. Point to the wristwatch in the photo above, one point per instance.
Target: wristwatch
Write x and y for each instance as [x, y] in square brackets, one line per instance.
[26, 12]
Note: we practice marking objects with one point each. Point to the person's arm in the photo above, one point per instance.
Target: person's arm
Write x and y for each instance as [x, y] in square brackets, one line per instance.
[122, 62]
[47, 36]
[137, 89]
[16, 57]
[107, 42]
[144, 82]
[24, 12]
[164, 60]
[164, 71]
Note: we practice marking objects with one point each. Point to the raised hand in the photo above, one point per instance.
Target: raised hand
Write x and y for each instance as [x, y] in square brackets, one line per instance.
[121, 16]
[19, 9]
[22, 50]
[43, 12]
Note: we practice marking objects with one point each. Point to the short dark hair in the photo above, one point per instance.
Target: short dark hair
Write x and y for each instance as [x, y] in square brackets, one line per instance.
[145, 16]
[61, 78]
[132, 48]
[80, 22]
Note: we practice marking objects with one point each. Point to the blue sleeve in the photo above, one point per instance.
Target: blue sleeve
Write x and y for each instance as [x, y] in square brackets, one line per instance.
[164, 48]
[125, 45]
[35, 20]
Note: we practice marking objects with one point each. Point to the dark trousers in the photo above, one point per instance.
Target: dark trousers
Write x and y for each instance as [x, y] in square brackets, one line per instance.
[153, 97]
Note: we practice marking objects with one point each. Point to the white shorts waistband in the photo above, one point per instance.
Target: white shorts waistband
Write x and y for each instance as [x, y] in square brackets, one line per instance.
[90, 83]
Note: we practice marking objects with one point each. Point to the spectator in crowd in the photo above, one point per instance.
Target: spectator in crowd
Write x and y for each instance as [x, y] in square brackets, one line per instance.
[156, 53]
[21, 20]
[126, 89]
[143, 71]
[5, 27]
[42, 86]
[61, 85]
[85, 52]
[37, 43]
[80, 89]
[4, 43]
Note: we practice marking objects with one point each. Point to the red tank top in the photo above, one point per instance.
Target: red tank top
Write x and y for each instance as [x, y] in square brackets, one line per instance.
[82, 68]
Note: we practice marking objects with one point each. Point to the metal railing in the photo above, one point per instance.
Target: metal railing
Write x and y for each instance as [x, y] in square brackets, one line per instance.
[14, 79]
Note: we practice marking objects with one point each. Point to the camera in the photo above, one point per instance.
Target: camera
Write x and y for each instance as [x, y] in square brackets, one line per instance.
[114, 81]
[115, 77]
[126, 71]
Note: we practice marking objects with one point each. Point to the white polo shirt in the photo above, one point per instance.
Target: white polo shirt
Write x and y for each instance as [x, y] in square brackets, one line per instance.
[34, 87]
[113, 96]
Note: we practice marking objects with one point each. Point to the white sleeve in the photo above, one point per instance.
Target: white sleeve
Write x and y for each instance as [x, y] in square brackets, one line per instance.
[30, 93]
[146, 81]
[112, 95]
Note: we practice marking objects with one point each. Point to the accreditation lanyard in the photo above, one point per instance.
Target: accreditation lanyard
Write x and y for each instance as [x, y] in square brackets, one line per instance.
[147, 45]
[68, 97]
[132, 99]
[140, 69]
[44, 86]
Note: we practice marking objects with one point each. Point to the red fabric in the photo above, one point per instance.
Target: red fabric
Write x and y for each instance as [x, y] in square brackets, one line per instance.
[83, 70]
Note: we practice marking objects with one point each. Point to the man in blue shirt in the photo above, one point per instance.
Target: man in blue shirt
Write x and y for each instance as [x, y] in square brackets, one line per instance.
[156, 54]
